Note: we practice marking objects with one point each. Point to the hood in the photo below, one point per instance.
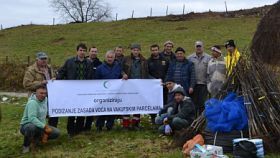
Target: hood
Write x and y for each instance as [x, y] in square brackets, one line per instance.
[33, 97]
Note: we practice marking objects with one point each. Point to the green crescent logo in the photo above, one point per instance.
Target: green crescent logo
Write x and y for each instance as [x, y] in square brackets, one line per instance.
[105, 84]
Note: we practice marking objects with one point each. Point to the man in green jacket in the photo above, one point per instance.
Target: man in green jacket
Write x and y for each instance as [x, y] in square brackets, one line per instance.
[33, 123]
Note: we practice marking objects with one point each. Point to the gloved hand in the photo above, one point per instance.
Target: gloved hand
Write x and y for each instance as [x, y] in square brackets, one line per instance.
[45, 138]
[47, 129]
[167, 129]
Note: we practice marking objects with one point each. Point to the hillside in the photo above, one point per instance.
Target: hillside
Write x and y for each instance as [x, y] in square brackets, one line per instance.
[59, 41]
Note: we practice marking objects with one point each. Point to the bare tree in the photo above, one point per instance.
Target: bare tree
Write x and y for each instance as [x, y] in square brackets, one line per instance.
[82, 10]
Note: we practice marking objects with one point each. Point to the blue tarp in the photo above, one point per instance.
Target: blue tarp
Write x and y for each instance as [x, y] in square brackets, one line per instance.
[226, 115]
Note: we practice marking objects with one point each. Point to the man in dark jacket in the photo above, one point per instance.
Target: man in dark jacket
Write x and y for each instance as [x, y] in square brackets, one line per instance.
[76, 68]
[95, 62]
[182, 71]
[135, 67]
[119, 52]
[92, 56]
[177, 115]
[110, 69]
[167, 52]
[157, 66]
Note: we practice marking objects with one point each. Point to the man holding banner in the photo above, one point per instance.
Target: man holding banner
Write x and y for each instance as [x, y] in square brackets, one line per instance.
[135, 67]
[110, 69]
[75, 68]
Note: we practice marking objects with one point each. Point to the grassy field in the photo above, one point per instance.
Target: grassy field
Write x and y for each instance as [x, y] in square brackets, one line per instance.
[60, 41]
[115, 144]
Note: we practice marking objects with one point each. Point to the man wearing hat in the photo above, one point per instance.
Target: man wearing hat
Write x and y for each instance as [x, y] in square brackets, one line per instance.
[200, 60]
[167, 53]
[171, 87]
[232, 57]
[177, 115]
[216, 71]
[134, 67]
[39, 74]
[182, 71]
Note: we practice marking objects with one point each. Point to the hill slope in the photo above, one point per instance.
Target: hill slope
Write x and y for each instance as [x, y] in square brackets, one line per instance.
[60, 41]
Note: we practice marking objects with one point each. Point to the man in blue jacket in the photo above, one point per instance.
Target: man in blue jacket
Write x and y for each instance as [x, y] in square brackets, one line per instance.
[182, 71]
[110, 69]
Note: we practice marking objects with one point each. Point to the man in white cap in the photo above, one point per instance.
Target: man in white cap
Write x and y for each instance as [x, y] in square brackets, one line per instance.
[200, 60]
[167, 53]
[216, 71]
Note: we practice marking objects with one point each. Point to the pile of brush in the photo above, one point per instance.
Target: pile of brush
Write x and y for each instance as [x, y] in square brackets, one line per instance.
[260, 89]
[255, 79]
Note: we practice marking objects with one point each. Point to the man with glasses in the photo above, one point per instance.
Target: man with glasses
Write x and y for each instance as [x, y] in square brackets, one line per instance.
[200, 60]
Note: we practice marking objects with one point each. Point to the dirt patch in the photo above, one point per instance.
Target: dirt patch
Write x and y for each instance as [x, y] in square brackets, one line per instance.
[58, 41]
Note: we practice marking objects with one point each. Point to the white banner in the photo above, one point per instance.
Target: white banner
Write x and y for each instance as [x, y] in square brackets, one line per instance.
[104, 97]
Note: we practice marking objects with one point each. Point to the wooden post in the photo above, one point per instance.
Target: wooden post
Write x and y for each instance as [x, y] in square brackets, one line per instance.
[151, 12]
[28, 60]
[184, 9]
[226, 7]
[116, 16]
[1, 27]
[53, 21]
[166, 10]
[7, 59]
[132, 14]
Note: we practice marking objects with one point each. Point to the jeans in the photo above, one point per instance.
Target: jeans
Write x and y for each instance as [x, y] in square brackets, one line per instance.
[159, 119]
[34, 133]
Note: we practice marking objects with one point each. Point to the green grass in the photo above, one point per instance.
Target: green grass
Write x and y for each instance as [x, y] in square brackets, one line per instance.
[60, 41]
[116, 144]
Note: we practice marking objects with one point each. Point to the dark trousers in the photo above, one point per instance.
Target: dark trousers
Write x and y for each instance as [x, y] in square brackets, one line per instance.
[199, 96]
[100, 122]
[153, 117]
[88, 123]
[53, 121]
[165, 95]
[34, 133]
[75, 125]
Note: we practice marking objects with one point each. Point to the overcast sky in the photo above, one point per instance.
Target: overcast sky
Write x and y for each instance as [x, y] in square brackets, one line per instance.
[17, 12]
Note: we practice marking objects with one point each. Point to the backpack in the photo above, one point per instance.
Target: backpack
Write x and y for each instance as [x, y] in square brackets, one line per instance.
[245, 149]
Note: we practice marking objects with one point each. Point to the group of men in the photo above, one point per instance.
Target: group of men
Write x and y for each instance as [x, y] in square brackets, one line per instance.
[187, 83]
